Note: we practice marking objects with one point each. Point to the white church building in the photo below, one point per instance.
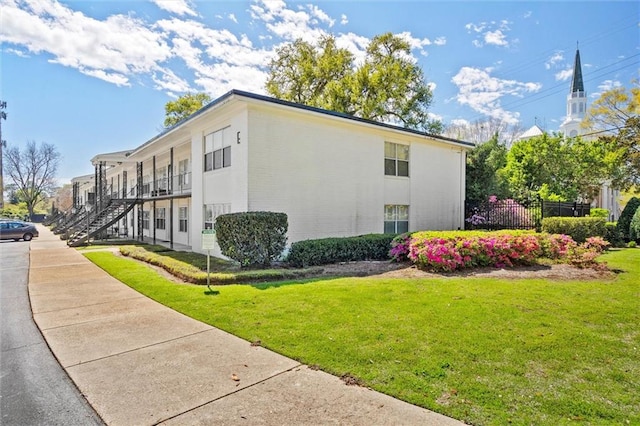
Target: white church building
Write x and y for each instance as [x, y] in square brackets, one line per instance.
[571, 127]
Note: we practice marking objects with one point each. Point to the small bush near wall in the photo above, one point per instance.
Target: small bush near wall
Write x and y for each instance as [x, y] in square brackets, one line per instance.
[331, 250]
[598, 212]
[624, 221]
[252, 238]
[578, 228]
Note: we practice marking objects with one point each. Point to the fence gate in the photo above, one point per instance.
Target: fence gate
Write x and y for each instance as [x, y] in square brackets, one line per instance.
[496, 214]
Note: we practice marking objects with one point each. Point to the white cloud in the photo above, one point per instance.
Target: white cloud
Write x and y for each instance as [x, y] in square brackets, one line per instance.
[118, 45]
[115, 78]
[483, 93]
[177, 7]
[606, 85]
[289, 24]
[343, 19]
[496, 37]
[527, 14]
[167, 80]
[564, 75]
[17, 52]
[177, 54]
[554, 60]
[490, 33]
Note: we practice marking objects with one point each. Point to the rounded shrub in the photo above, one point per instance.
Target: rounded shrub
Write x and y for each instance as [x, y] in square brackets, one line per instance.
[624, 221]
[252, 238]
[634, 226]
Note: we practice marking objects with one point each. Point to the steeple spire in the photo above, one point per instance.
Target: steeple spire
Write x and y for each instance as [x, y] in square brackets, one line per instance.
[576, 81]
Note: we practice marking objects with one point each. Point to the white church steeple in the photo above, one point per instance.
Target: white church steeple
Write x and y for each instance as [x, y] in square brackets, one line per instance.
[576, 102]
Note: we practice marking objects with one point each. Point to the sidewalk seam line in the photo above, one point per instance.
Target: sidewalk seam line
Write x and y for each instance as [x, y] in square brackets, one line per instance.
[229, 394]
[138, 348]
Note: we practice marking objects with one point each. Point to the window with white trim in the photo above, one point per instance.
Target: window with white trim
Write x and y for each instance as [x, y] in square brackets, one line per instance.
[145, 219]
[212, 211]
[183, 169]
[183, 219]
[161, 222]
[217, 149]
[160, 218]
[396, 159]
[396, 219]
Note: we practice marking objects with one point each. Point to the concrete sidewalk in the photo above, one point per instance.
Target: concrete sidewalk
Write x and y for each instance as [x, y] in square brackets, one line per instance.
[141, 363]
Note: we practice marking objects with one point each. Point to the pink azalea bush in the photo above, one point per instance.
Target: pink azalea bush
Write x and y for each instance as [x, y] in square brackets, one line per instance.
[449, 251]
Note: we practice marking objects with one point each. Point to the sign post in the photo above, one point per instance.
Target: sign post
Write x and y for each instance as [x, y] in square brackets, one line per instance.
[208, 243]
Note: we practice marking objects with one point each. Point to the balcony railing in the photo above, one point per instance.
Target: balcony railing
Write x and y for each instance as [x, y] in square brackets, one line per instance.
[181, 185]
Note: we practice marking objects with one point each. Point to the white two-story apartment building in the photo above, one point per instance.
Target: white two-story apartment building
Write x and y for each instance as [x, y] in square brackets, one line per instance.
[332, 174]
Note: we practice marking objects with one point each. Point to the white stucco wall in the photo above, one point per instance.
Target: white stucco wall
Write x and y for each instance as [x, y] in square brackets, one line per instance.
[330, 178]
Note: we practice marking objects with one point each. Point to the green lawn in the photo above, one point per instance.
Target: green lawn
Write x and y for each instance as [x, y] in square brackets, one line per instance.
[484, 351]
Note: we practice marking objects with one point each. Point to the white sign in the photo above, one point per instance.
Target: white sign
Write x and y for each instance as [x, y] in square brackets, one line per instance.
[208, 239]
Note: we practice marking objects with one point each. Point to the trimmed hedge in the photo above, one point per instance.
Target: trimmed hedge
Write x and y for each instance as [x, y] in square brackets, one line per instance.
[624, 221]
[578, 228]
[252, 238]
[332, 250]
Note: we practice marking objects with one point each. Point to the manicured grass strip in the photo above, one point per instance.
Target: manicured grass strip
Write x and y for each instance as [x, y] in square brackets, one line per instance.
[188, 266]
[484, 351]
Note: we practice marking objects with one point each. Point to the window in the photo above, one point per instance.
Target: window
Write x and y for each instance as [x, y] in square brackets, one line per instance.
[183, 169]
[396, 159]
[146, 185]
[217, 149]
[212, 211]
[161, 222]
[161, 178]
[145, 219]
[182, 219]
[396, 219]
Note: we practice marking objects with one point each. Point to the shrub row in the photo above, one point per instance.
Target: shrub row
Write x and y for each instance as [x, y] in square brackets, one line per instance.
[578, 228]
[331, 250]
[252, 238]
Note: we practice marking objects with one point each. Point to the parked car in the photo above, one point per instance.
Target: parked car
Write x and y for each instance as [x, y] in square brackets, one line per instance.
[17, 230]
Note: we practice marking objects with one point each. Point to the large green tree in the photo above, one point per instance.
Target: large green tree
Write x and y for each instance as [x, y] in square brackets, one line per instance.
[387, 85]
[616, 114]
[33, 171]
[183, 107]
[556, 167]
[483, 164]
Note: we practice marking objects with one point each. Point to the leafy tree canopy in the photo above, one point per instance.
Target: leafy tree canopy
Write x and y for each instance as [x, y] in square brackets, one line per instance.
[556, 168]
[483, 163]
[386, 85]
[616, 113]
[183, 107]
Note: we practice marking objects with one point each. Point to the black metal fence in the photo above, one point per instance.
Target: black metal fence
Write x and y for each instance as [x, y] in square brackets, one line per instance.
[496, 214]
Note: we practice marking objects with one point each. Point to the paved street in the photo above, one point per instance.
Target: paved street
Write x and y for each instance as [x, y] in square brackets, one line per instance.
[34, 389]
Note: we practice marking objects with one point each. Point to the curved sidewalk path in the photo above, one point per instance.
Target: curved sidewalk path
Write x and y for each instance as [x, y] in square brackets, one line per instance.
[140, 363]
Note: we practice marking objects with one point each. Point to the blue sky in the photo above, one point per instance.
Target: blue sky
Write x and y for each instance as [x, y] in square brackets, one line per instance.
[93, 76]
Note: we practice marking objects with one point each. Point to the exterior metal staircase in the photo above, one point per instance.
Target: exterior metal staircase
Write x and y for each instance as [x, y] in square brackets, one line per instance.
[68, 222]
[97, 222]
